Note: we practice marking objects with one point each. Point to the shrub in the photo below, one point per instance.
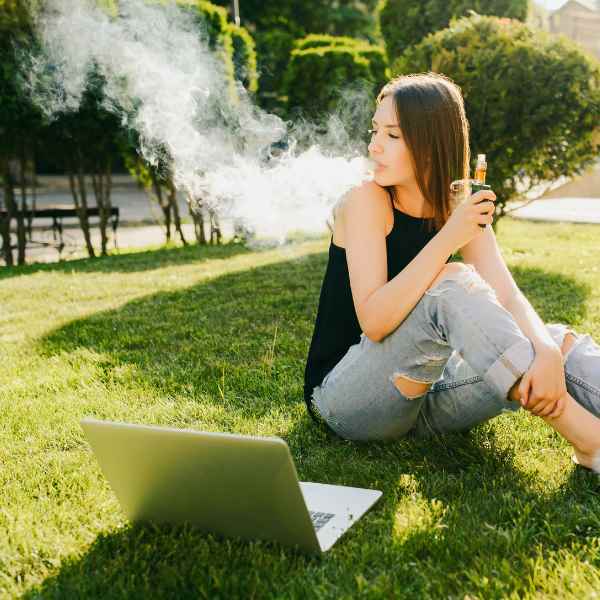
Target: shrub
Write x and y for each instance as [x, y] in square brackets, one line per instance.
[212, 20]
[329, 70]
[374, 54]
[244, 57]
[532, 100]
[274, 43]
[318, 40]
[406, 22]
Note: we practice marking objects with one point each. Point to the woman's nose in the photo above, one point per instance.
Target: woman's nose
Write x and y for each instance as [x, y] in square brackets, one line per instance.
[374, 148]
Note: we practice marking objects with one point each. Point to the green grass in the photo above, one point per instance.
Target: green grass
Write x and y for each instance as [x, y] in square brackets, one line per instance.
[216, 339]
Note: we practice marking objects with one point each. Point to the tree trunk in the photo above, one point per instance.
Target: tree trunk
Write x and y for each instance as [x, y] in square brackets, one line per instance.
[34, 185]
[195, 208]
[175, 209]
[164, 205]
[215, 227]
[11, 209]
[102, 183]
[77, 183]
[21, 227]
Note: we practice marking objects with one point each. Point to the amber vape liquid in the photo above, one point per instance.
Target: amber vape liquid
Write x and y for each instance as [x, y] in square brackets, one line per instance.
[478, 183]
[480, 168]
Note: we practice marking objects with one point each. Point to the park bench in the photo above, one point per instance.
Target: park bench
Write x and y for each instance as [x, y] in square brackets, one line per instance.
[57, 213]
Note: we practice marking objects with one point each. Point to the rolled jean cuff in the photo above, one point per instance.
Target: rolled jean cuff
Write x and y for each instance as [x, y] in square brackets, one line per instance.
[510, 366]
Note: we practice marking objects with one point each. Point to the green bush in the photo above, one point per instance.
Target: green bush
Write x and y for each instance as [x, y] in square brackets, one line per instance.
[532, 100]
[406, 22]
[374, 54]
[329, 70]
[319, 40]
[274, 44]
[212, 20]
[244, 57]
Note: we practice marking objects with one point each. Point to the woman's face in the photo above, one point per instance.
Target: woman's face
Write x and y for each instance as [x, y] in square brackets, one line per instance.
[387, 148]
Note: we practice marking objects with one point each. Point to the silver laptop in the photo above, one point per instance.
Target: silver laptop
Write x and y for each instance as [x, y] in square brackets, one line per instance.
[228, 484]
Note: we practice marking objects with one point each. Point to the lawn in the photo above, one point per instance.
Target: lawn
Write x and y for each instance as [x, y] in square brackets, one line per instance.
[215, 339]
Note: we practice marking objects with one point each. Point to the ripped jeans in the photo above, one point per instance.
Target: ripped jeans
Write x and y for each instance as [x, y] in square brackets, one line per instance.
[460, 339]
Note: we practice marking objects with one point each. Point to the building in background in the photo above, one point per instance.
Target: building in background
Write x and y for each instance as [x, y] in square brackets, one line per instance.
[579, 20]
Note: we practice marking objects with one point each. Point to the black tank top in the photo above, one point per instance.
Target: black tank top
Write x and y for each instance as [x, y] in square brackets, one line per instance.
[336, 325]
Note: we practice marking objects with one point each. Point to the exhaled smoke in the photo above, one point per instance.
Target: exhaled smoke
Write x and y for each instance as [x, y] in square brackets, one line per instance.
[161, 77]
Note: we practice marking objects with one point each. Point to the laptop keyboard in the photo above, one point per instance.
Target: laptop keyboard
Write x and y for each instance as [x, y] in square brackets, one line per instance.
[320, 518]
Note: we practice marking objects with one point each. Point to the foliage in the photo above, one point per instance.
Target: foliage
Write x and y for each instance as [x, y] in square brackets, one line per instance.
[354, 18]
[532, 100]
[244, 57]
[20, 119]
[211, 21]
[319, 40]
[274, 44]
[406, 22]
[275, 25]
[374, 54]
[329, 70]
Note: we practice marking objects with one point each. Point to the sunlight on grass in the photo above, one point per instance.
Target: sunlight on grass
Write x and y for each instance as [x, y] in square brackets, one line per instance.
[216, 339]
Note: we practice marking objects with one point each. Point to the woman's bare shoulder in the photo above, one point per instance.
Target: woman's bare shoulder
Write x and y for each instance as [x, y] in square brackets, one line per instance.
[367, 195]
[364, 205]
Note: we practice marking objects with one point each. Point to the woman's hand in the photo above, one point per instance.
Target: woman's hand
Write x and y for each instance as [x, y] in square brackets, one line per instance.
[543, 387]
[464, 222]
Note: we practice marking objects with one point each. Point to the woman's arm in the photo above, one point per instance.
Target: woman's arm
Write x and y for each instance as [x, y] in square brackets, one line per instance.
[381, 305]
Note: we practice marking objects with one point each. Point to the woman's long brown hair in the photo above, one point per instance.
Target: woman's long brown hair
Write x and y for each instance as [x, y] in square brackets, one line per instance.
[431, 115]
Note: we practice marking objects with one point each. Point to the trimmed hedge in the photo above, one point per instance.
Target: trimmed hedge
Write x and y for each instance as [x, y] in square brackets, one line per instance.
[532, 99]
[212, 20]
[274, 44]
[244, 57]
[375, 55]
[315, 77]
[406, 22]
[318, 40]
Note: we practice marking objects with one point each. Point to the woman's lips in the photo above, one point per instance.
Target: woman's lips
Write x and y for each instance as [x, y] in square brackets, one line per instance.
[376, 167]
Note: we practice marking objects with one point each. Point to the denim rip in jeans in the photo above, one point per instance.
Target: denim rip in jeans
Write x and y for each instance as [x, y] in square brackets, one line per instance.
[459, 337]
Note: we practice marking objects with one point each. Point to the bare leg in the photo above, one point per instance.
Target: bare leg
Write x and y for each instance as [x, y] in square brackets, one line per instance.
[576, 424]
[580, 428]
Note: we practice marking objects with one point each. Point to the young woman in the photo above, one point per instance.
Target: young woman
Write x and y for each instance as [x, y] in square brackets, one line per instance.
[405, 341]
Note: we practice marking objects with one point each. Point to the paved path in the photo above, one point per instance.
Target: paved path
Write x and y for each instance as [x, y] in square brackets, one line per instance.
[571, 210]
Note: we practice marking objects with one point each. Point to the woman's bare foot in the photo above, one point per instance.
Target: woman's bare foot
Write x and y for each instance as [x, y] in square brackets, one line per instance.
[581, 429]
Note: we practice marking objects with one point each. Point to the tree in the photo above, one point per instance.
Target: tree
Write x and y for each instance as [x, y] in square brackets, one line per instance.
[157, 180]
[406, 22]
[85, 142]
[20, 123]
[532, 99]
[235, 49]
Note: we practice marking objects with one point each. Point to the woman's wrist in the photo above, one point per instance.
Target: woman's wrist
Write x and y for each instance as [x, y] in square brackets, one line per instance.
[448, 240]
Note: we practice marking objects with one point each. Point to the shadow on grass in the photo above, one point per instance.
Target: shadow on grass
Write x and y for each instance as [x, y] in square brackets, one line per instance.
[483, 517]
[488, 523]
[130, 261]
